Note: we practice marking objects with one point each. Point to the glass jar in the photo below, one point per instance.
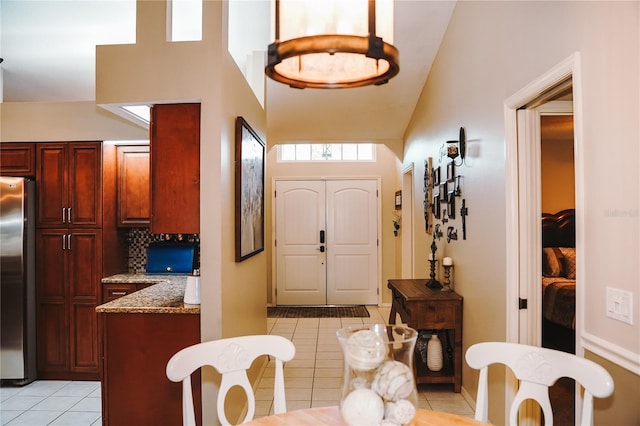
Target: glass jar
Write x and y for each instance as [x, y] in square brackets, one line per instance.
[378, 381]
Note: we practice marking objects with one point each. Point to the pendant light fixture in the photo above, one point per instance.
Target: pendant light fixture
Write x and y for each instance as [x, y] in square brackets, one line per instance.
[333, 44]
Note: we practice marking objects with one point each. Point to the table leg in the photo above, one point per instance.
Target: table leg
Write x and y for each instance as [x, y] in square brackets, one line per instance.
[392, 314]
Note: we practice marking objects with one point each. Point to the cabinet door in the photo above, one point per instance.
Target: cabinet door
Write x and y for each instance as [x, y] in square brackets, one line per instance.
[134, 201]
[51, 183]
[17, 159]
[84, 254]
[85, 184]
[175, 168]
[52, 303]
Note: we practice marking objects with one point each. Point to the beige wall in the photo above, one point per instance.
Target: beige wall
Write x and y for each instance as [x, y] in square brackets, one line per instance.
[385, 167]
[490, 51]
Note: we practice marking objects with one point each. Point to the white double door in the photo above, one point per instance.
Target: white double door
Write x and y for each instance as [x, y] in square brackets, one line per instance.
[326, 242]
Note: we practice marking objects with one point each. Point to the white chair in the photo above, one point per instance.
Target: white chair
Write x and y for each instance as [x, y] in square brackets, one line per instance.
[231, 357]
[537, 368]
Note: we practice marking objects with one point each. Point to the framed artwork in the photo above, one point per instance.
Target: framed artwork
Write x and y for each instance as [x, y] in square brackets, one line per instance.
[398, 201]
[249, 185]
[451, 207]
[451, 189]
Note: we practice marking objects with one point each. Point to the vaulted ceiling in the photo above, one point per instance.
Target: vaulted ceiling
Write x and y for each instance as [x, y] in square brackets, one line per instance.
[48, 48]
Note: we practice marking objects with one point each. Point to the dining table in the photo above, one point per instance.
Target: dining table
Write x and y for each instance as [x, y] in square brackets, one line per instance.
[331, 416]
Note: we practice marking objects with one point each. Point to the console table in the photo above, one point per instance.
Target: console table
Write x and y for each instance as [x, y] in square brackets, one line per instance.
[422, 308]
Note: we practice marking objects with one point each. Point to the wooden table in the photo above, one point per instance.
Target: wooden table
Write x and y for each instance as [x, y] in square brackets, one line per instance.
[331, 416]
[422, 308]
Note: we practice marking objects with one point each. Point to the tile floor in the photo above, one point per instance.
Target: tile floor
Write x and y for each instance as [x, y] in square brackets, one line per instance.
[312, 379]
[51, 402]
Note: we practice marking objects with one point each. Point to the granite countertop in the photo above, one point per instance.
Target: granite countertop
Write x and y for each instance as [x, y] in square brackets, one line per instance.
[165, 296]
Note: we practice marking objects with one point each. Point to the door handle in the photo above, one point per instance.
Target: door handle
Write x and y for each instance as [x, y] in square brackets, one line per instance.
[321, 237]
[321, 249]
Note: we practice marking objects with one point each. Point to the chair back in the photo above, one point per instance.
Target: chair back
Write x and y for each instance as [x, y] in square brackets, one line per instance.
[536, 369]
[231, 357]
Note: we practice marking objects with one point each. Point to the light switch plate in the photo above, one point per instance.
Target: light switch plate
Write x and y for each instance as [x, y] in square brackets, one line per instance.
[620, 305]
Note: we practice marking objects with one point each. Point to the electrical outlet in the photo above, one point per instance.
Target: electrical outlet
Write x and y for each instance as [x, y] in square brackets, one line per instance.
[620, 305]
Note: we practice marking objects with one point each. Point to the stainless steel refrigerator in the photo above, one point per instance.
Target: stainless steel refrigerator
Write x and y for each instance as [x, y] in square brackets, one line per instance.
[17, 281]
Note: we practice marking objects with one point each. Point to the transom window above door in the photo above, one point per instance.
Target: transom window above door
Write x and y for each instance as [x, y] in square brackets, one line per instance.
[327, 152]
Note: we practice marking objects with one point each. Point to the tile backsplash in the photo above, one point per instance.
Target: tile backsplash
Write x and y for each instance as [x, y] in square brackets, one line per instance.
[139, 240]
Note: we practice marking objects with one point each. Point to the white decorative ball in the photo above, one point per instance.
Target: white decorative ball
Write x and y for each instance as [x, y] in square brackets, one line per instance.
[362, 407]
[393, 381]
[365, 350]
[400, 412]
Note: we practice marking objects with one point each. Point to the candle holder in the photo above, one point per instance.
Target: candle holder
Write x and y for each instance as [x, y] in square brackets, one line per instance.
[433, 283]
[447, 276]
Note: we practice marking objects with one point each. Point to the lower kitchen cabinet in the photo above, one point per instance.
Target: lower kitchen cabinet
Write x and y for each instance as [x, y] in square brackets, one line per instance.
[114, 291]
[68, 274]
[136, 348]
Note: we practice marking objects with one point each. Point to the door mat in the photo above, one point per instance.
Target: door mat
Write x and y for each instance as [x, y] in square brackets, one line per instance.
[317, 311]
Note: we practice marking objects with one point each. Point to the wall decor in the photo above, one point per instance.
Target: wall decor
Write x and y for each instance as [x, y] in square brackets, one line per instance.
[398, 200]
[428, 195]
[249, 188]
[443, 192]
[464, 211]
[451, 207]
[436, 177]
[450, 171]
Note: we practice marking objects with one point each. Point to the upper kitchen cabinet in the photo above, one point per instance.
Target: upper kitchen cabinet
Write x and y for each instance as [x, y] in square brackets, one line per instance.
[175, 168]
[17, 159]
[69, 181]
[133, 185]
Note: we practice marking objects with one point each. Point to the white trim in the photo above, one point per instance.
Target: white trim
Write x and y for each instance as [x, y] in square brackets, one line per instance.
[618, 355]
[408, 241]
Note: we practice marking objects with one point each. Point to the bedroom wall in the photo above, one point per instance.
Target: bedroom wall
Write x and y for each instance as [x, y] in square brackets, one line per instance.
[492, 50]
[557, 163]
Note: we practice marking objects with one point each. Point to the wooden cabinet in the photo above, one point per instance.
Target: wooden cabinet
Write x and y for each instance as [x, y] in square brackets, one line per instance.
[69, 243]
[68, 271]
[134, 200]
[422, 308]
[175, 168]
[17, 159]
[69, 184]
[136, 349]
[113, 291]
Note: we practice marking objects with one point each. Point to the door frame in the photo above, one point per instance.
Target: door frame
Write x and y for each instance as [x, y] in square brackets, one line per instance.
[406, 236]
[522, 203]
[378, 181]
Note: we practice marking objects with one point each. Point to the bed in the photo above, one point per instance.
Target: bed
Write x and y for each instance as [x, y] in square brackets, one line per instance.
[559, 280]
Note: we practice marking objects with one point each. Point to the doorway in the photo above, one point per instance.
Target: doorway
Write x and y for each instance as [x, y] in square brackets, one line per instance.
[524, 209]
[326, 242]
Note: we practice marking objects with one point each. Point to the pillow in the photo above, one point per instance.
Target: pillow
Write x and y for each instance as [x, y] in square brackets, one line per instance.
[552, 262]
[569, 254]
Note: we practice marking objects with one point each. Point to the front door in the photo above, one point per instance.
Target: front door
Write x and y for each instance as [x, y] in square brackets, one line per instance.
[326, 242]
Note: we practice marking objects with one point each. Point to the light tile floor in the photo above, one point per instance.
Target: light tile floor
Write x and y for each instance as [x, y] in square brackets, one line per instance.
[312, 379]
[51, 402]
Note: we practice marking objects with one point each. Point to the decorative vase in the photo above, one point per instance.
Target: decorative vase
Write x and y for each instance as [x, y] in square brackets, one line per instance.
[434, 353]
[378, 383]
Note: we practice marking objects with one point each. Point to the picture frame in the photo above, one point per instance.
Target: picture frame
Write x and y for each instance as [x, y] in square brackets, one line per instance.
[249, 191]
[450, 171]
[451, 207]
[436, 176]
[398, 200]
[443, 192]
[436, 207]
[451, 189]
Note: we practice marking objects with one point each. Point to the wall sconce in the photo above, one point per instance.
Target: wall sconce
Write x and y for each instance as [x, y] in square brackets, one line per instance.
[457, 148]
[333, 44]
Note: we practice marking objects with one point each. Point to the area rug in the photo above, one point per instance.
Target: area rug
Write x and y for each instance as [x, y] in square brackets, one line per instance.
[317, 311]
